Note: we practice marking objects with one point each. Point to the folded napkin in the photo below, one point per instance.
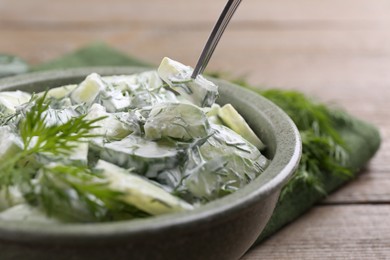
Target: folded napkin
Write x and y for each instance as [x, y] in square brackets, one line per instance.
[361, 139]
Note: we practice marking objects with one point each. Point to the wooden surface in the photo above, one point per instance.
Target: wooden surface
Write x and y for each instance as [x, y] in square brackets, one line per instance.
[336, 50]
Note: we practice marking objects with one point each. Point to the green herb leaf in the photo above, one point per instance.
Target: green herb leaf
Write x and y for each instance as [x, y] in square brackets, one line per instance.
[323, 150]
[69, 192]
[57, 139]
[38, 138]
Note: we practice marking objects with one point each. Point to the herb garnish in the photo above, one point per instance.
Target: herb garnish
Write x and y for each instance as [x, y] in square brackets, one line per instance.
[323, 149]
[71, 192]
[56, 139]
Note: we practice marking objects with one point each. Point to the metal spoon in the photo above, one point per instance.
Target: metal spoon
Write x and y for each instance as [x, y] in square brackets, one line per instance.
[215, 35]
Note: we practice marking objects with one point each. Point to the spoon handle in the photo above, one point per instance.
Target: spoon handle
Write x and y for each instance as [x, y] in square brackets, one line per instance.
[215, 35]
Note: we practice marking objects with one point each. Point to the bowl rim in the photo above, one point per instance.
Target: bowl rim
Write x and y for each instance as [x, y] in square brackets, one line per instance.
[284, 129]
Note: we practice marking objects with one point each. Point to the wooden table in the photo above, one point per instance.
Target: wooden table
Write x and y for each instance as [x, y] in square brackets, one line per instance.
[336, 50]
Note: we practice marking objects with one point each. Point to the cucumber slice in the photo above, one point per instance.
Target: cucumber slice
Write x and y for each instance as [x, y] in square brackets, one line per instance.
[140, 192]
[223, 164]
[148, 80]
[115, 100]
[59, 92]
[80, 153]
[59, 116]
[232, 119]
[200, 91]
[9, 100]
[110, 126]
[176, 120]
[212, 114]
[135, 91]
[145, 157]
[88, 90]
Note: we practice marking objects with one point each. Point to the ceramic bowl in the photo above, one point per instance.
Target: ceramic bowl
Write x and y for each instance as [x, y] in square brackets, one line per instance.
[222, 229]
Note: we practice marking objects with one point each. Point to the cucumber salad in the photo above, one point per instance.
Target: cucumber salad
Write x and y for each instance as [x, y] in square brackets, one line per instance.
[121, 147]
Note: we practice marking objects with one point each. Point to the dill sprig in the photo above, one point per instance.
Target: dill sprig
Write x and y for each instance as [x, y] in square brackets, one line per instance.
[324, 151]
[5, 119]
[38, 138]
[59, 139]
[69, 192]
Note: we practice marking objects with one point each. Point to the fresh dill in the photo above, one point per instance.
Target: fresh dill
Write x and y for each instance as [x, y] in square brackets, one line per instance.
[323, 149]
[38, 138]
[72, 192]
[58, 139]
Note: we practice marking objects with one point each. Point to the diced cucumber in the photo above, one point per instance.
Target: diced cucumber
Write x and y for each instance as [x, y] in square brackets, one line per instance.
[59, 92]
[140, 192]
[199, 91]
[123, 82]
[115, 100]
[225, 140]
[224, 163]
[77, 156]
[11, 99]
[176, 120]
[10, 144]
[59, 116]
[88, 90]
[144, 89]
[232, 119]
[109, 126]
[148, 80]
[212, 114]
[145, 157]
[80, 153]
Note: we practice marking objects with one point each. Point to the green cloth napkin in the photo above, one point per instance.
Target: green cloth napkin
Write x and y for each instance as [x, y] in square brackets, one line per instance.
[361, 138]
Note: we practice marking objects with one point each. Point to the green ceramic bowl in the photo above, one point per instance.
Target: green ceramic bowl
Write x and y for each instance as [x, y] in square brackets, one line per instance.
[222, 229]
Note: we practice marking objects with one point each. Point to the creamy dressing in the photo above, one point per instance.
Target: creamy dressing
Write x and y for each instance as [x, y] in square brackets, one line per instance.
[159, 142]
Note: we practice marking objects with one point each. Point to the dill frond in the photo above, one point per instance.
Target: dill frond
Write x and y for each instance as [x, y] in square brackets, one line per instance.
[323, 150]
[39, 138]
[59, 139]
